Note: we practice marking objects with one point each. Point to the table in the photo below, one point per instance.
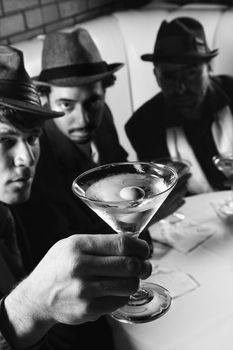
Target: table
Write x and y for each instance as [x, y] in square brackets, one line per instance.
[203, 318]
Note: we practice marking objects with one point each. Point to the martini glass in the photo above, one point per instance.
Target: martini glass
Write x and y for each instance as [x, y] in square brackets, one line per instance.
[224, 163]
[126, 196]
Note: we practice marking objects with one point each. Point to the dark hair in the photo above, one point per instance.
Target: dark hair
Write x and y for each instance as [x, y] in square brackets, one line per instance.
[8, 114]
[109, 81]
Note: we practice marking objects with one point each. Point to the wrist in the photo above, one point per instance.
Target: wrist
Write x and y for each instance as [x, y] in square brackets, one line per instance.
[21, 320]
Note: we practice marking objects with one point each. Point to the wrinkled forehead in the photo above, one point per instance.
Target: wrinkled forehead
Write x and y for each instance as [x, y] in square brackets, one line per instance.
[6, 127]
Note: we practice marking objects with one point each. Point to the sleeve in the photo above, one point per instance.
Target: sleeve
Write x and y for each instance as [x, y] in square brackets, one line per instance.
[146, 132]
[139, 134]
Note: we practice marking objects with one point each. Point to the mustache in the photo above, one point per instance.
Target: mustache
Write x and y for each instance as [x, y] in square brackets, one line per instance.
[183, 95]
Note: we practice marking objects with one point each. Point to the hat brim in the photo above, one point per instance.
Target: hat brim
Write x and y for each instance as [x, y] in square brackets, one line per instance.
[79, 80]
[184, 58]
[39, 111]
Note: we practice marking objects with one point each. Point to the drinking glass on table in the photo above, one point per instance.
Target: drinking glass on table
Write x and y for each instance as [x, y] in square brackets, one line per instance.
[224, 163]
[182, 167]
[126, 196]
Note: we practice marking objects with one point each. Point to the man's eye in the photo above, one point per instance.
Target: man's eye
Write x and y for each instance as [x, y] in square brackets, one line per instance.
[33, 140]
[65, 106]
[192, 74]
[7, 141]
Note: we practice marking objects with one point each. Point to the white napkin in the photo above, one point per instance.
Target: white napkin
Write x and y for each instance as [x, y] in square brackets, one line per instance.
[176, 281]
[183, 236]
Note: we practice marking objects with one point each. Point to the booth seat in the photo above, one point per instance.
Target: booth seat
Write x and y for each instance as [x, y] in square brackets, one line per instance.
[124, 36]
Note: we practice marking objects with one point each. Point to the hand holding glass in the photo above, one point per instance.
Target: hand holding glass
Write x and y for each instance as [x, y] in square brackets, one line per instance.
[224, 163]
[126, 196]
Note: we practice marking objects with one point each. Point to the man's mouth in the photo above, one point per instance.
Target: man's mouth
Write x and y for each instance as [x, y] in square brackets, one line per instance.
[24, 177]
[23, 180]
[80, 132]
[183, 100]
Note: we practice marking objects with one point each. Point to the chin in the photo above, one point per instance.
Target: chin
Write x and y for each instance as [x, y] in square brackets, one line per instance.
[82, 141]
[18, 198]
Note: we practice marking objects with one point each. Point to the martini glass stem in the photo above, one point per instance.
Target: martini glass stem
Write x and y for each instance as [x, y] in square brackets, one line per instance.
[141, 297]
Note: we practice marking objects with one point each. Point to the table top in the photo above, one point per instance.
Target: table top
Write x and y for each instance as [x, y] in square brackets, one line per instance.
[201, 319]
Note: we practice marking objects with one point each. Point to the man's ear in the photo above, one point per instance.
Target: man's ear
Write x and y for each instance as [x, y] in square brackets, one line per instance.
[155, 70]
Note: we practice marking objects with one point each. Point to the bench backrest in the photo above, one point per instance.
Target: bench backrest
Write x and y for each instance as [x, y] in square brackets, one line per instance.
[125, 36]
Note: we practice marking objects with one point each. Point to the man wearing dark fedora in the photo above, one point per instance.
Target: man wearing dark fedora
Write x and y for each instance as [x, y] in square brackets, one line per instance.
[77, 280]
[191, 117]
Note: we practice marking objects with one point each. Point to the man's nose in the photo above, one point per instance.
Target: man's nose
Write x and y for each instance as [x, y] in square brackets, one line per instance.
[24, 156]
[181, 87]
[81, 116]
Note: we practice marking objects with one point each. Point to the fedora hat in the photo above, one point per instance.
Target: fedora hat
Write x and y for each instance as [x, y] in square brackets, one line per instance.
[70, 59]
[180, 41]
[17, 89]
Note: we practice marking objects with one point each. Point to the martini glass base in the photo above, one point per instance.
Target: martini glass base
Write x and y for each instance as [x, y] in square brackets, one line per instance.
[149, 303]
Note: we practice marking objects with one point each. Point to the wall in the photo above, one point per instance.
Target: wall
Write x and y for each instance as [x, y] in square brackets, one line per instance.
[24, 19]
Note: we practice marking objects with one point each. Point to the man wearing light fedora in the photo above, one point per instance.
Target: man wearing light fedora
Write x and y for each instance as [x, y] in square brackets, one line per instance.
[77, 280]
[191, 117]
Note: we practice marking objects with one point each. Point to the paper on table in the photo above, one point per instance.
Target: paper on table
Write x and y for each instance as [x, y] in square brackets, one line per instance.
[176, 281]
[184, 235]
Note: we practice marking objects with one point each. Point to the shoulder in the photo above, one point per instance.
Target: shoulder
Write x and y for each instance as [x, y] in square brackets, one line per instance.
[224, 82]
[223, 78]
[144, 116]
[107, 123]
